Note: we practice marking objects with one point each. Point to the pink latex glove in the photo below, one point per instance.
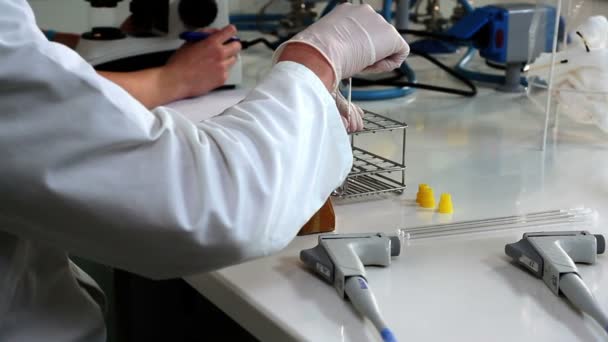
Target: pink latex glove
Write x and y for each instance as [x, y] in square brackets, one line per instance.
[353, 39]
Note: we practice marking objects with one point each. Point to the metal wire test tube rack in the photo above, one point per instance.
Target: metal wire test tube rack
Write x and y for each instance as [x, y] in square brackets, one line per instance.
[371, 173]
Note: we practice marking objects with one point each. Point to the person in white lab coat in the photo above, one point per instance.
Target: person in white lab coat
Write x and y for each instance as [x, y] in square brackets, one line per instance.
[87, 169]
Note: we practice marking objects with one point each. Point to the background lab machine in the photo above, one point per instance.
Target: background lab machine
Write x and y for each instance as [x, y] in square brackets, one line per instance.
[149, 36]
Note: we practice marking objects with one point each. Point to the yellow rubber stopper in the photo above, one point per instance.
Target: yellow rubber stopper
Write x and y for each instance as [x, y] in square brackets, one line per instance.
[421, 189]
[445, 204]
[427, 199]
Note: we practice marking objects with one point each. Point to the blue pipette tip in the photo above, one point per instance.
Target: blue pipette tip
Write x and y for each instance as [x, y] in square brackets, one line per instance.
[387, 335]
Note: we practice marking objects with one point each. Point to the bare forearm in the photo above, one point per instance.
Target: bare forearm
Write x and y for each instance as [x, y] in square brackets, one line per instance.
[147, 86]
[312, 59]
[154, 87]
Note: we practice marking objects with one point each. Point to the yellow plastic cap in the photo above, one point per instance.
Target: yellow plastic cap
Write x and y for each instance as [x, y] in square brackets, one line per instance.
[427, 199]
[421, 189]
[445, 204]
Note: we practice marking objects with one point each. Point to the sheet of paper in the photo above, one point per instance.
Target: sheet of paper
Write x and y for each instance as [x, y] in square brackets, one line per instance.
[209, 105]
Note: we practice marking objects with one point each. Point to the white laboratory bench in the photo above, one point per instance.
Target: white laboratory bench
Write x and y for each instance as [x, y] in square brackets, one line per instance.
[485, 152]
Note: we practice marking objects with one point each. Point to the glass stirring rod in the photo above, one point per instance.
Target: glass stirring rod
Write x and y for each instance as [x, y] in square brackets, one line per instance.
[350, 88]
[350, 94]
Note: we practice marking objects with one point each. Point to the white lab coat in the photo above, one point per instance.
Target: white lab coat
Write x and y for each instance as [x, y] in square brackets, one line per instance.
[86, 169]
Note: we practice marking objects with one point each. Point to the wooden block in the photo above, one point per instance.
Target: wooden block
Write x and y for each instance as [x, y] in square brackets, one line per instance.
[324, 221]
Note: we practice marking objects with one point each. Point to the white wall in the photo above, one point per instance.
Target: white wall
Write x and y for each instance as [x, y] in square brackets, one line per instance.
[66, 15]
[72, 15]
[252, 6]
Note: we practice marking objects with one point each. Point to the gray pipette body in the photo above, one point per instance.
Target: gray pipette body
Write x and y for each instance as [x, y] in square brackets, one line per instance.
[359, 293]
[552, 257]
[340, 259]
[573, 287]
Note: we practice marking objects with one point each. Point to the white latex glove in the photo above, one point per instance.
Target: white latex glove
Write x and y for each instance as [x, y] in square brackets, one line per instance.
[353, 38]
[586, 73]
[353, 121]
[595, 31]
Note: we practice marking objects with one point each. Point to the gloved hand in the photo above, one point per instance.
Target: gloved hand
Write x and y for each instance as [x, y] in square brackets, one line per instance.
[353, 121]
[353, 38]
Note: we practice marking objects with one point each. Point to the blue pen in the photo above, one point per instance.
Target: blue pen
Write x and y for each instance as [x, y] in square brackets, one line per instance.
[197, 36]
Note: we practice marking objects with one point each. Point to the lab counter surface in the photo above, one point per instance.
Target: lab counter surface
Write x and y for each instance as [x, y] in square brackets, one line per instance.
[485, 151]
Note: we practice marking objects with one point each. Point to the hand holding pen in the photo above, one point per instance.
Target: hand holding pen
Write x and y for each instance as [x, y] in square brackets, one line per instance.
[199, 67]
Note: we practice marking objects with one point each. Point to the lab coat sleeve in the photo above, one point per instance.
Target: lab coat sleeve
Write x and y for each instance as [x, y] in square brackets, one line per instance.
[86, 168]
